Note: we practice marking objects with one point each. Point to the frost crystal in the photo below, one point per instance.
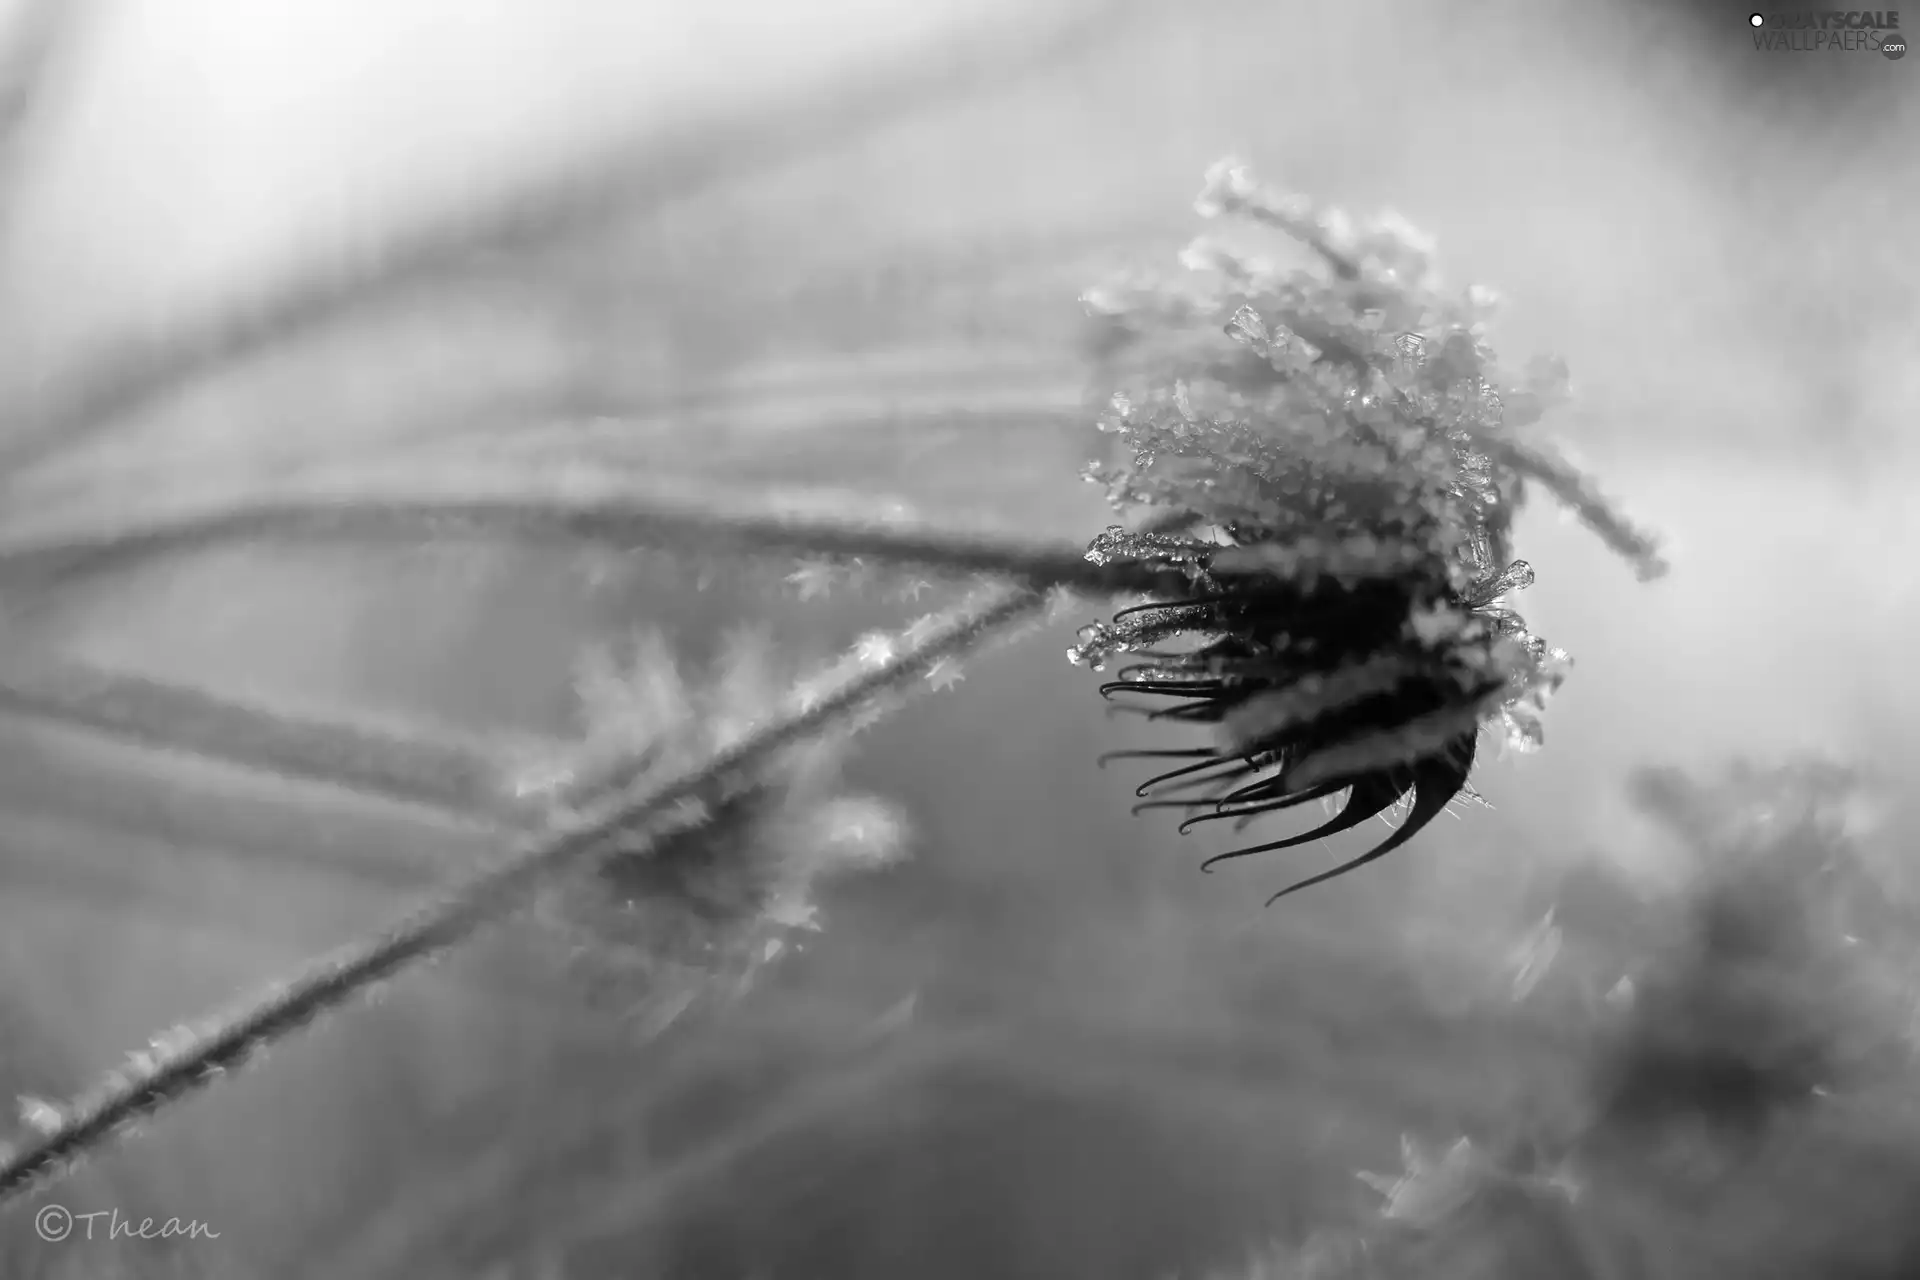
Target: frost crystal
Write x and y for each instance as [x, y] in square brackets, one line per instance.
[1430, 1188]
[875, 650]
[40, 1115]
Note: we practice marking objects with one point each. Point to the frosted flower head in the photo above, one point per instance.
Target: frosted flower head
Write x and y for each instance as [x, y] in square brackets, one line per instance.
[1339, 432]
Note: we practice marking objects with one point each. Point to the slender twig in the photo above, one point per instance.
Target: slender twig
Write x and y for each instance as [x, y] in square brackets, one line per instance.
[227, 1043]
[1578, 494]
[417, 1223]
[153, 713]
[633, 177]
[618, 523]
[463, 780]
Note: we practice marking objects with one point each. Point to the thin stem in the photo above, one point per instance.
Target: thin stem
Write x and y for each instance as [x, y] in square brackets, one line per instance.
[420, 1221]
[227, 1043]
[1577, 492]
[625, 180]
[157, 714]
[1571, 489]
[619, 523]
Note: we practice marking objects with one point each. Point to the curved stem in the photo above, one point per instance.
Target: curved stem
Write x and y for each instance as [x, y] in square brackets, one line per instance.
[619, 523]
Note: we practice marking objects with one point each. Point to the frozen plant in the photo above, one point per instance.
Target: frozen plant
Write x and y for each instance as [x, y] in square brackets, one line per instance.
[1344, 451]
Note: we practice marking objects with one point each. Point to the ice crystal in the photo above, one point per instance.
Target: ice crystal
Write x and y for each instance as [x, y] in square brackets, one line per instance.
[40, 1115]
[1429, 1188]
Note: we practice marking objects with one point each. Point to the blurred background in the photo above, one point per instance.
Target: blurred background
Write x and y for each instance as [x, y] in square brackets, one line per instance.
[831, 252]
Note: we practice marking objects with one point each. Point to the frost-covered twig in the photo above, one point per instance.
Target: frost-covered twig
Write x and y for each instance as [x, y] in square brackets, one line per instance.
[620, 523]
[1577, 493]
[183, 1062]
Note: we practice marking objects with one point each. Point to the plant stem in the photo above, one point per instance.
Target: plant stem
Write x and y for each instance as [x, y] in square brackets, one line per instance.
[226, 1043]
[614, 522]
[172, 717]
[1576, 492]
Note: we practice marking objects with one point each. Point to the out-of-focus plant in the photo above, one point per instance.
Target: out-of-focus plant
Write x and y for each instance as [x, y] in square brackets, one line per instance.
[1342, 437]
[1748, 1077]
[1791, 973]
[716, 891]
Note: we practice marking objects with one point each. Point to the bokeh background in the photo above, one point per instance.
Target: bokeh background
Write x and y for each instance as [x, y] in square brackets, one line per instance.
[842, 262]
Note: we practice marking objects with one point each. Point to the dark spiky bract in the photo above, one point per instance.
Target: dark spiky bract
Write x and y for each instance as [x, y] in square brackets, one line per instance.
[1341, 439]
